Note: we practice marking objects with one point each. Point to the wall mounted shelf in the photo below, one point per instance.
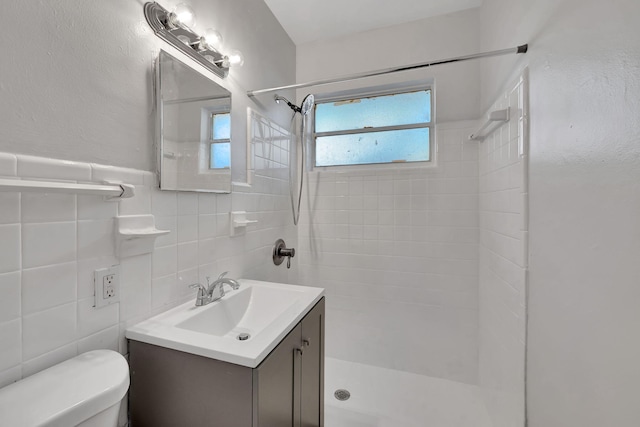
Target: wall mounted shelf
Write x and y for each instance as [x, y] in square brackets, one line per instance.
[498, 116]
[238, 221]
[136, 235]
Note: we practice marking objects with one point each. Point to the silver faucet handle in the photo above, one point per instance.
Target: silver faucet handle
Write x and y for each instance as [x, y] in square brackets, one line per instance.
[222, 275]
[201, 298]
[198, 286]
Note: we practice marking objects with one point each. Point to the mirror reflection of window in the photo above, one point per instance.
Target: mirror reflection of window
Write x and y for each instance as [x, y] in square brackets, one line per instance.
[194, 129]
[220, 141]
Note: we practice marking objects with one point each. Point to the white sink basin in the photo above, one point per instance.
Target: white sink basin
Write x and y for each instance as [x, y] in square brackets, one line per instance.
[265, 311]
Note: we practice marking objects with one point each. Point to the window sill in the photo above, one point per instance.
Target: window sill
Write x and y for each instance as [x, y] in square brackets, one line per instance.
[377, 167]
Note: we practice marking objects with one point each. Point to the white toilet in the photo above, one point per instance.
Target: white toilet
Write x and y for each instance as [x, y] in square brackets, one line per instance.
[84, 391]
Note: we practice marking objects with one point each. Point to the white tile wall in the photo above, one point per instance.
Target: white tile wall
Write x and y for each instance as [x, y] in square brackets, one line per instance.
[396, 250]
[268, 149]
[11, 350]
[52, 243]
[10, 306]
[47, 287]
[47, 330]
[503, 262]
[268, 197]
[10, 249]
[48, 243]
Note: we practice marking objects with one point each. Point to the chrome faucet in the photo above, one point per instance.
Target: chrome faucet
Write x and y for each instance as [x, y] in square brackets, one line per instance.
[206, 294]
[219, 285]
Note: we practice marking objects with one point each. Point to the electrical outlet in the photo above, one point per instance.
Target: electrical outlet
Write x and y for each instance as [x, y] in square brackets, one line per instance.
[106, 283]
[108, 286]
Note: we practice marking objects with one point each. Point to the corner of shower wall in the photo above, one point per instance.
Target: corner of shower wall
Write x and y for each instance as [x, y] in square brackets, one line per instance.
[268, 167]
[503, 260]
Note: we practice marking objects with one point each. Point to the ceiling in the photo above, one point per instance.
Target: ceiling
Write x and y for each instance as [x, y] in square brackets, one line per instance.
[311, 20]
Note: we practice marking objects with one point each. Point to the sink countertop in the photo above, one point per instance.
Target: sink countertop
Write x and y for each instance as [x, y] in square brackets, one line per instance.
[265, 310]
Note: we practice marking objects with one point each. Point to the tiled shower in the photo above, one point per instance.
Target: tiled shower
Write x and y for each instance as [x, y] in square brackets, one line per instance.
[425, 268]
[397, 251]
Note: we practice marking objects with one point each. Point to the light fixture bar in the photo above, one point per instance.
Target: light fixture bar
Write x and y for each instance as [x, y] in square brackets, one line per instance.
[159, 20]
[516, 50]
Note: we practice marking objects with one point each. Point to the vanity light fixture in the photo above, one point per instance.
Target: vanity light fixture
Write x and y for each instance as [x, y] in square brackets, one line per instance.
[176, 28]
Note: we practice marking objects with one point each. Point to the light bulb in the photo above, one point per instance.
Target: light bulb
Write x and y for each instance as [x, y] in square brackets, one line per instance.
[212, 39]
[235, 58]
[183, 15]
[184, 39]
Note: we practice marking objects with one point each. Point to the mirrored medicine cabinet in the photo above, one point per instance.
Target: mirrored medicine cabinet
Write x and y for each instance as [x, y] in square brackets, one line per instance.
[193, 129]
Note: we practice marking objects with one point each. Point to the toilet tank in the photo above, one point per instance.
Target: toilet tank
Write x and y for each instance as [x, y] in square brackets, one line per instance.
[68, 394]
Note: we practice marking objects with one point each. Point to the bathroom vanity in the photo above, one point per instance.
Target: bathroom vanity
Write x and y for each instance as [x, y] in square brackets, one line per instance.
[282, 386]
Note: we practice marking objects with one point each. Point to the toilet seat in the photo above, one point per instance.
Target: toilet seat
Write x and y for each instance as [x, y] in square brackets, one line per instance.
[68, 393]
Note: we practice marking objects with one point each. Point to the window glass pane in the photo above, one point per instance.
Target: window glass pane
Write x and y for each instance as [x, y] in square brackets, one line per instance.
[220, 155]
[221, 126]
[411, 145]
[387, 110]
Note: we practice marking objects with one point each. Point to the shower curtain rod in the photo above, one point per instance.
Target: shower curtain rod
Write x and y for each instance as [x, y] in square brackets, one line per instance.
[520, 49]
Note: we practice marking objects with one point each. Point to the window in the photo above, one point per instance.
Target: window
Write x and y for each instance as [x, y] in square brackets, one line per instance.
[220, 141]
[393, 128]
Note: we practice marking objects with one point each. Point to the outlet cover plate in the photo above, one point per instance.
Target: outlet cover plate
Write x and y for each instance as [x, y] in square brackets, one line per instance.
[106, 281]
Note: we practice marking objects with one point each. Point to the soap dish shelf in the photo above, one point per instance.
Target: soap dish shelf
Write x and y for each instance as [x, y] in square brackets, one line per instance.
[238, 221]
[136, 234]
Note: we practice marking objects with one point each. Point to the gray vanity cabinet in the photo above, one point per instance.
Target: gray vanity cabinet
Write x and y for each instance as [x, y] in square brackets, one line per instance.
[276, 385]
[312, 368]
[172, 388]
[288, 384]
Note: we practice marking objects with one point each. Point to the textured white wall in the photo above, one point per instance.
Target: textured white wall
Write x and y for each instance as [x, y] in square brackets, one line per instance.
[584, 61]
[441, 37]
[77, 76]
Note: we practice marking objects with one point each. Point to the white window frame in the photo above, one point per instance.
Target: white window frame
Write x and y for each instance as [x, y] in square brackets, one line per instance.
[370, 93]
[212, 141]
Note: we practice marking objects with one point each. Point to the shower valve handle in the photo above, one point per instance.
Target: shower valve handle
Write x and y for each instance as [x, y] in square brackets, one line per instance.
[290, 252]
[280, 252]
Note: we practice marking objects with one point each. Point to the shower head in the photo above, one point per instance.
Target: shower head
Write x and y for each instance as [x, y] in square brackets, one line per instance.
[307, 104]
[304, 109]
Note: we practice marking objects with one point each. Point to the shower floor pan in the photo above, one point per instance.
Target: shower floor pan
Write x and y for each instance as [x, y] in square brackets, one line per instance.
[387, 398]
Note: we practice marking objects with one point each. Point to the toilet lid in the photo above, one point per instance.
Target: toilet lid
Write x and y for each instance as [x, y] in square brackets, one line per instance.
[68, 393]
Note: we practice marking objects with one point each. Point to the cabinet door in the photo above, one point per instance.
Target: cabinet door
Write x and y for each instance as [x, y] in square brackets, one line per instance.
[276, 386]
[312, 369]
[170, 388]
